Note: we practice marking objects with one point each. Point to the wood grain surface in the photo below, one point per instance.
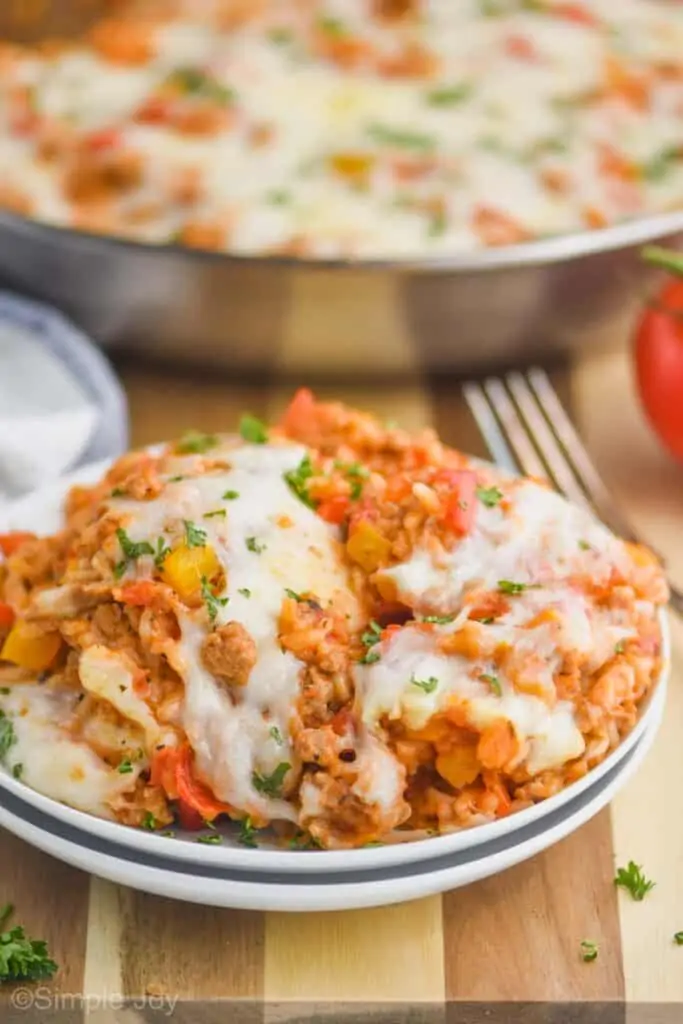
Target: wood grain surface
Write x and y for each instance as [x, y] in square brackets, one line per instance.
[510, 939]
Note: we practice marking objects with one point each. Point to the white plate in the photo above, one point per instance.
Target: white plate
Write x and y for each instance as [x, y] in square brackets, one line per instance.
[41, 512]
[252, 890]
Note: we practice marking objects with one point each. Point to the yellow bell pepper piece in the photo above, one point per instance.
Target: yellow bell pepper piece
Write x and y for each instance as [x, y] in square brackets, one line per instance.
[460, 766]
[367, 547]
[30, 649]
[184, 568]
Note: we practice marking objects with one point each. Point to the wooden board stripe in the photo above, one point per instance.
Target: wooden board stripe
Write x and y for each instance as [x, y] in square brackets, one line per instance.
[646, 819]
[51, 901]
[540, 911]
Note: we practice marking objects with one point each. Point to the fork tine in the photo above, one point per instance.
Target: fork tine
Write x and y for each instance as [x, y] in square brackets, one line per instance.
[489, 428]
[513, 428]
[576, 454]
[540, 430]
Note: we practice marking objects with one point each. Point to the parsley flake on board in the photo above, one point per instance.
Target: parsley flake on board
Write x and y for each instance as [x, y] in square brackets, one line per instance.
[589, 950]
[21, 958]
[271, 785]
[298, 478]
[194, 537]
[633, 879]
[489, 496]
[212, 602]
[193, 442]
[4, 691]
[427, 685]
[253, 429]
[678, 938]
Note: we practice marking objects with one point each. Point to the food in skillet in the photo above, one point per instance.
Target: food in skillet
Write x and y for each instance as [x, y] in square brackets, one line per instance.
[332, 626]
[360, 128]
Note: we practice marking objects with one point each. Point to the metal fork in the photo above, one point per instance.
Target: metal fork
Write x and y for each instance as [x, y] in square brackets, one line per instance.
[526, 428]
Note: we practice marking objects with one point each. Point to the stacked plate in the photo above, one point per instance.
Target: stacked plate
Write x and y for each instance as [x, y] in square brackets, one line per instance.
[227, 874]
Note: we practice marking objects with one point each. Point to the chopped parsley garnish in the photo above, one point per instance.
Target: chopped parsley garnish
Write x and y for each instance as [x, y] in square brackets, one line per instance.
[176, 479]
[633, 879]
[356, 473]
[125, 768]
[194, 81]
[255, 545]
[17, 770]
[589, 950]
[303, 841]
[584, 545]
[509, 587]
[493, 682]
[449, 95]
[332, 26]
[487, 621]
[428, 685]
[253, 430]
[244, 591]
[276, 735]
[439, 620]
[678, 938]
[193, 442]
[279, 36]
[489, 496]
[118, 492]
[385, 135]
[213, 839]
[132, 550]
[231, 495]
[279, 197]
[293, 594]
[22, 959]
[438, 222]
[5, 691]
[620, 647]
[662, 163]
[7, 736]
[370, 657]
[194, 537]
[298, 480]
[161, 552]
[373, 842]
[212, 602]
[271, 785]
[149, 821]
[247, 833]
[218, 513]
[372, 635]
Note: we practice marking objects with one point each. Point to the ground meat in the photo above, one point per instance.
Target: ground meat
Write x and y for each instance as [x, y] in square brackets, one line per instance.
[229, 653]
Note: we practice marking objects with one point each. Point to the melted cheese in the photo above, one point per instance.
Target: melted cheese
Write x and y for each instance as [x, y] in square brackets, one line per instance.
[53, 762]
[237, 734]
[107, 675]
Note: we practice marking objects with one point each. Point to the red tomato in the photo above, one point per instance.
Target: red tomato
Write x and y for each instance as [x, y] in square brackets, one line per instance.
[189, 818]
[334, 510]
[575, 12]
[659, 365]
[460, 506]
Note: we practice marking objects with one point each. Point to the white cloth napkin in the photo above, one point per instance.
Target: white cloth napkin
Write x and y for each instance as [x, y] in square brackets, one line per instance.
[47, 419]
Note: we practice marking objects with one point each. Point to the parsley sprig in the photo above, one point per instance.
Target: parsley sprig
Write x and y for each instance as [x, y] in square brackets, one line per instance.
[247, 833]
[193, 442]
[589, 950]
[21, 958]
[298, 480]
[132, 550]
[510, 587]
[212, 602]
[194, 537]
[271, 785]
[489, 496]
[427, 685]
[253, 429]
[632, 878]
[493, 681]
[369, 639]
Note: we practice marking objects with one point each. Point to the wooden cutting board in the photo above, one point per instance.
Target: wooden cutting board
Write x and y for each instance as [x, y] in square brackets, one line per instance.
[466, 955]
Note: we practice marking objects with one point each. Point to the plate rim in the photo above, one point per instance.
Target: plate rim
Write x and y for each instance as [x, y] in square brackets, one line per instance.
[333, 896]
[287, 861]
